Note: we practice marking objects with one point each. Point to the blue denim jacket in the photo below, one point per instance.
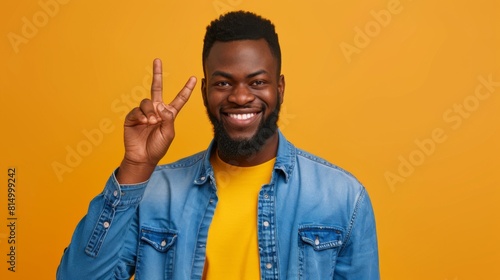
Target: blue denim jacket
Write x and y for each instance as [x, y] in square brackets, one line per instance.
[315, 221]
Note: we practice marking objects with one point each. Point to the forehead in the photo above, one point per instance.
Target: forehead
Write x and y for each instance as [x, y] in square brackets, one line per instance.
[240, 55]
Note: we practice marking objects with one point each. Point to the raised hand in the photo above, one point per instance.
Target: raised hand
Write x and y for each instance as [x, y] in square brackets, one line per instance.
[149, 129]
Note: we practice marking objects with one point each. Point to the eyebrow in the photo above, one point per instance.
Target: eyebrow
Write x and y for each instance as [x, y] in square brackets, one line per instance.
[229, 76]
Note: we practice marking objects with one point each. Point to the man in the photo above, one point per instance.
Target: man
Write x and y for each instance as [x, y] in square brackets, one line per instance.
[251, 206]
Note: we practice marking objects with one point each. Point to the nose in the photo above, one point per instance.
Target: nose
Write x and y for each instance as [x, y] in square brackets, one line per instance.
[241, 95]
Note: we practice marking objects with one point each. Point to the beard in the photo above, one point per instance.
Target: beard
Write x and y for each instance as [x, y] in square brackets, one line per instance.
[246, 148]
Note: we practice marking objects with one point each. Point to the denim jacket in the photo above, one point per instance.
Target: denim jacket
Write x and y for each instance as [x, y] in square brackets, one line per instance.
[315, 221]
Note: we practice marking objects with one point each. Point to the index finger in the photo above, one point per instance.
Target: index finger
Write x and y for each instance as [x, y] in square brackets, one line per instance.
[157, 84]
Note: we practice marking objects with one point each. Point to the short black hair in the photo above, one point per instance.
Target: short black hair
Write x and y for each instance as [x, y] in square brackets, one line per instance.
[241, 25]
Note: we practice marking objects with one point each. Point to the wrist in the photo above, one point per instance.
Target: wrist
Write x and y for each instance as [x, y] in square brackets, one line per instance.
[133, 172]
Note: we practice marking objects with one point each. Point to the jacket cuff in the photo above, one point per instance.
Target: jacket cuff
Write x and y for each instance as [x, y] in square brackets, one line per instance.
[123, 195]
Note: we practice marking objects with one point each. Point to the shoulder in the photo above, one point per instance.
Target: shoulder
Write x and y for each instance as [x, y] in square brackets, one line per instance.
[176, 177]
[308, 162]
[298, 164]
[183, 172]
[313, 175]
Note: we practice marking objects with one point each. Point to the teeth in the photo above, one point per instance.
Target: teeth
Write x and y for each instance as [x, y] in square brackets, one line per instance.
[242, 116]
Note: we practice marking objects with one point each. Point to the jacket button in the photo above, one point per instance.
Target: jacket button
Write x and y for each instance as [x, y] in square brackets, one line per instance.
[266, 223]
[269, 266]
[163, 243]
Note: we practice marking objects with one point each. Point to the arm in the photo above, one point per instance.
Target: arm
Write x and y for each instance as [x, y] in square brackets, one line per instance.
[104, 243]
[358, 258]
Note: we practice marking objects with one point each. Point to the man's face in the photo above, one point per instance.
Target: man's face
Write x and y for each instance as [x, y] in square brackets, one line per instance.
[242, 92]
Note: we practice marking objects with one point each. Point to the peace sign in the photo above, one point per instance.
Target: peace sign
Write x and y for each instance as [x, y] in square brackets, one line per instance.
[149, 129]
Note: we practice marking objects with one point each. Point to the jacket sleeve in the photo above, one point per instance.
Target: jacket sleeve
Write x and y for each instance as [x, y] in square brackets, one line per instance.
[358, 259]
[104, 243]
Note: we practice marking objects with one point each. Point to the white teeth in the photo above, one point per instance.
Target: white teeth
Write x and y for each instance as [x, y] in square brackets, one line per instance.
[242, 116]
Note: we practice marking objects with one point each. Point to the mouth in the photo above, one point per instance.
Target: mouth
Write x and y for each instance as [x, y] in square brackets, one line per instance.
[242, 116]
[241, 121]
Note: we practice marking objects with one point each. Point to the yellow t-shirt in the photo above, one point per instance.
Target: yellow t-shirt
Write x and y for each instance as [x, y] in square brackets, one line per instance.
[232, 247]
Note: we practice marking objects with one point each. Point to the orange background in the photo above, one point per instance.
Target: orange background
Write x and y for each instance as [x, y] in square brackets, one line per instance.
[390, 90]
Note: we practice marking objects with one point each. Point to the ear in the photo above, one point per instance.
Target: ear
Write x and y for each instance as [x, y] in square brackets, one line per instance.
[204, 91]
[281, 87]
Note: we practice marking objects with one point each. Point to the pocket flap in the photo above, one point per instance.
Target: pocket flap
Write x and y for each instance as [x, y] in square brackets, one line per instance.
[160, 239]
[321, 237]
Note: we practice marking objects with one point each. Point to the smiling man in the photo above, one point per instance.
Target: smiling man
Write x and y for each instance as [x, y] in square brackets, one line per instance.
[252, 206]
[243, 91]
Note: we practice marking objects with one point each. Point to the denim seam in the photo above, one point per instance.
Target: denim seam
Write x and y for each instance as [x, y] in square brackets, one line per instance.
[323, 162]
[353, 218]
[99, 232]
[212, 182]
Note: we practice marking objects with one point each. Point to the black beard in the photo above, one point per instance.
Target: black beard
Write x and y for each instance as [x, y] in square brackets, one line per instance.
[244, 148]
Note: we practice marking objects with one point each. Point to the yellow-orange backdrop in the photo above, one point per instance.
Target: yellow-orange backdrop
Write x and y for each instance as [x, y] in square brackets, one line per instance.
[404, 94]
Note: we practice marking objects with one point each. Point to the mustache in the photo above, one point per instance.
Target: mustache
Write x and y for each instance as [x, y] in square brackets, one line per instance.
[260, 107]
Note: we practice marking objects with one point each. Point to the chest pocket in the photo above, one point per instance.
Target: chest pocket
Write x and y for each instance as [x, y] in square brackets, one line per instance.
[318, 249]
[155, 258]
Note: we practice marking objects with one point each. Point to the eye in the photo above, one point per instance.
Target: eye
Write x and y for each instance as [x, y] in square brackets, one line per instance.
[258, 83]
[221, 84]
